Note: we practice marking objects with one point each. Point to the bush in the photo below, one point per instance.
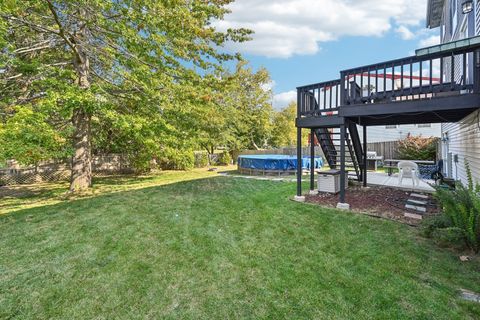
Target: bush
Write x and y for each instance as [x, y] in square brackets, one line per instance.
[449, 237]
[177, 159]
[430, 224]
[417, 148]
[201, 159]
[461, 208]
[224, 159]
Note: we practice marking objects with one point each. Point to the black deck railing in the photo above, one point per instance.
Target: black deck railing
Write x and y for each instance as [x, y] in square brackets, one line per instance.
[423, 76]
[319, 98]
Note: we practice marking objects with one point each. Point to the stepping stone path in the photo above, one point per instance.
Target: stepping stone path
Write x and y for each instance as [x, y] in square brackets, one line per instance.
[416, 206]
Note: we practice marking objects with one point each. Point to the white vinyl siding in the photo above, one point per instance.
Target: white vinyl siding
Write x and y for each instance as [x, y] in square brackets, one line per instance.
[464, 141]
[394, 133]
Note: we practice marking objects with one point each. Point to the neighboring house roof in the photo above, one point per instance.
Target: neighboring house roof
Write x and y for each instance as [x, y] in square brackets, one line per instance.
[434, 13]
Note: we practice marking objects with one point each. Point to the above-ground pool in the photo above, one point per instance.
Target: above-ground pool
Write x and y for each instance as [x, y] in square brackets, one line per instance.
[274, 163]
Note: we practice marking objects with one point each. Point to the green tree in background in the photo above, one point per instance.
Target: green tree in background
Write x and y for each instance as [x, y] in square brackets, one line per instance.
[112, 75]
[240, 112]
[284, 132]
[249, 99]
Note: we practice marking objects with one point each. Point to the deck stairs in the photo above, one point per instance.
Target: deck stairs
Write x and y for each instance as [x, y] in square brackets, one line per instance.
[329, 140]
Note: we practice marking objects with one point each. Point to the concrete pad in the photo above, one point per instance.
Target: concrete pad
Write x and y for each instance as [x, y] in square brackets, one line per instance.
[416, 208]
[413, 215]
[417, 202]
[299, 198]
[343, 206]
[383, 179]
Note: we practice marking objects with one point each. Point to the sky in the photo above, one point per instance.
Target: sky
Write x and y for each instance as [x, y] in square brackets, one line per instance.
[307, 41]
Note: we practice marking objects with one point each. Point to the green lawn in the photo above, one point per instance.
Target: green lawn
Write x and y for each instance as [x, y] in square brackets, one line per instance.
[218, 247]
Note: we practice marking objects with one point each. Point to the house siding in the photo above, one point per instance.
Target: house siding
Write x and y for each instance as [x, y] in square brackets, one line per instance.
[383, 134]
[463, 143]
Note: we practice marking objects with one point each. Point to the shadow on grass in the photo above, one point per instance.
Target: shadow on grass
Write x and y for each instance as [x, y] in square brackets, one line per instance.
[26, 197]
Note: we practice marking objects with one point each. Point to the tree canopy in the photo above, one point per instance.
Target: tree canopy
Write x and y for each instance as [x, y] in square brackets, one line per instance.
[110, 75]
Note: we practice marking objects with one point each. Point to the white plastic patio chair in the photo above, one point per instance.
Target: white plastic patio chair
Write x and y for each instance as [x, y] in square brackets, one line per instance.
[408, 169]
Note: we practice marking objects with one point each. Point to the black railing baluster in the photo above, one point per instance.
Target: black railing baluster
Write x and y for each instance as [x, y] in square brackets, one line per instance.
[368, 84]
[331, 89]
[401, 78]
[411, 76]
[421, 79]
[431, 78]
[464, 71]
[452, 82]
[384, 80]
[361, 85]
[376, 81]
[325, 96]
[441, 74]
[393, 80]
[336, 95]
[319, 89]
[346, 93]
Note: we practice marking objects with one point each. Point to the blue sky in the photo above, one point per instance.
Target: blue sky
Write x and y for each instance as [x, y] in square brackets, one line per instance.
[308, 41]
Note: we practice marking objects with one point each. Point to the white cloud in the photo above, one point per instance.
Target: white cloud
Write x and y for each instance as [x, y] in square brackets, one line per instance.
[282, 99]
[405, 33]
[430, 41]
[296, 27]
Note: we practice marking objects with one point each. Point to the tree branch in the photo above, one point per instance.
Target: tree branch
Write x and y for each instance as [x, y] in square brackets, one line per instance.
[61, 31]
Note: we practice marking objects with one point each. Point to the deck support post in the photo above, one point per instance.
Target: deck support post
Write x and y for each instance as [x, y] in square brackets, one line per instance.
[342, 163]
[365, 149]
[299, 196]
[312, 161]
[476, 71]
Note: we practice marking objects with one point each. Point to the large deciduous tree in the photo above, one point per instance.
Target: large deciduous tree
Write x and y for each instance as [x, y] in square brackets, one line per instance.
[83, 62]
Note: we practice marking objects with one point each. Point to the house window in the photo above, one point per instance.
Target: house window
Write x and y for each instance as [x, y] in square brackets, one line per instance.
[425, 125]
[391, 126]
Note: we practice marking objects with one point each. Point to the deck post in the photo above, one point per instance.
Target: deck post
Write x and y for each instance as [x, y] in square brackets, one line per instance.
[342, 163]
[365, 149]
[476, 71]
[299, 196]
[312, 161]
[299, 162]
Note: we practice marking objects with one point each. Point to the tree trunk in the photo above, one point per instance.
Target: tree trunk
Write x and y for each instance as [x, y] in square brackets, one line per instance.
[82, 159]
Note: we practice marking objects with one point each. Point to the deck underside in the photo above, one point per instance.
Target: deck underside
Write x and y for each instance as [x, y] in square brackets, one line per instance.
[433, 110]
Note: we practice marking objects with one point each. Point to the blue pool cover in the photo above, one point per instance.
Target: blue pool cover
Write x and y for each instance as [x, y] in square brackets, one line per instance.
[275, 162]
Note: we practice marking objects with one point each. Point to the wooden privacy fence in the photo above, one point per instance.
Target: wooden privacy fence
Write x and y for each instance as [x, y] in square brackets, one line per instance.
[389, 149]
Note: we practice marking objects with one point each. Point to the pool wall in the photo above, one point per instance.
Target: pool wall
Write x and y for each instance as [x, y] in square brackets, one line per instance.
[274, 163]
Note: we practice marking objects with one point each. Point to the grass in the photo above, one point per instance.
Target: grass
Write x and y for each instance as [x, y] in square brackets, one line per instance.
[29, 196]
[220, 247]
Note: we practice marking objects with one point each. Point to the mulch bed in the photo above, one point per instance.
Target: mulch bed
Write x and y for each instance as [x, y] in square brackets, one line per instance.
[381, 202]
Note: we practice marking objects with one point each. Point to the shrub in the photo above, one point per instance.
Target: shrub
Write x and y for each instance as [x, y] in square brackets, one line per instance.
[201, 159]
[461, 207]
[450, 236]
[430, 224]
[177, 159]
[417, 148]
[224, 159]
